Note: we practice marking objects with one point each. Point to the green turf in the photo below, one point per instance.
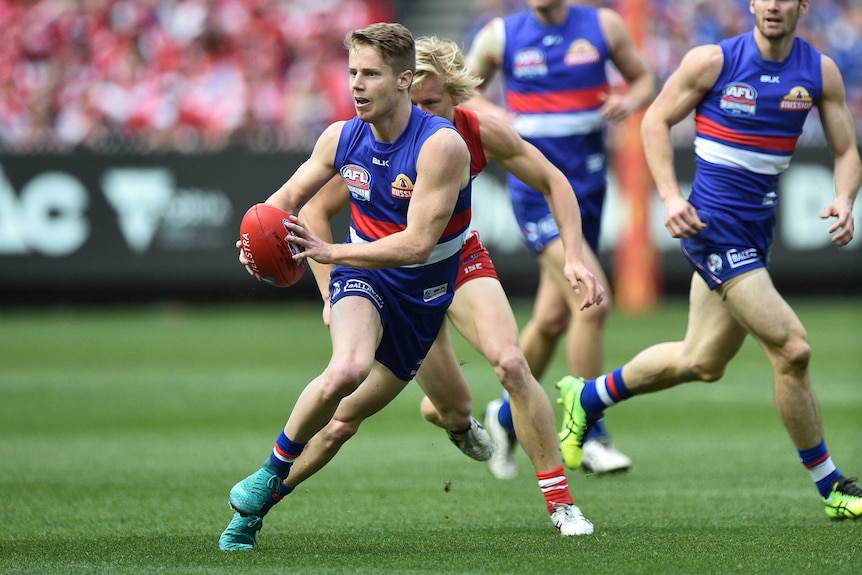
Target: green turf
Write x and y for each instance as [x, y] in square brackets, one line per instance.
[122, 430]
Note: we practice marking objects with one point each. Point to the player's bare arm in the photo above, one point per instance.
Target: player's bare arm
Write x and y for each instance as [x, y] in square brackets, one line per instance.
[678, 98]
[484, 60]
[307, 180]
[317, 216]
[442, 171]
[524, 161]
[640, 82]
[841, 138]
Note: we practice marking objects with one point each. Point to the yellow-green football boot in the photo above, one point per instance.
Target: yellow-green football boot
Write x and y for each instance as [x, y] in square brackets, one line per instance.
[845, 500]
[575, 422]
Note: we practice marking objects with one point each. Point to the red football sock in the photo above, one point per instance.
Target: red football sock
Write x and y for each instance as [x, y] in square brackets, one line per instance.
[555, 487]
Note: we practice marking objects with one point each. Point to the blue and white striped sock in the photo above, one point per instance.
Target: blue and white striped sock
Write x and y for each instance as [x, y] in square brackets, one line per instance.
[820, 467]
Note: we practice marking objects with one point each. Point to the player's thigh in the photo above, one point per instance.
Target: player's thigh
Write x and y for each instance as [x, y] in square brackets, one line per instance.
[713, 335]
[356, 331]
[482, 314]
[765, 314]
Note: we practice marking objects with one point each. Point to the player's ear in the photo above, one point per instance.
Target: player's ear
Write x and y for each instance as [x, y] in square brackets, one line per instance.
[405, 79]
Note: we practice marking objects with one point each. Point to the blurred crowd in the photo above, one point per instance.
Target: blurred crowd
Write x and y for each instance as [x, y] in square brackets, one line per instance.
[186, 75]
[266, 75]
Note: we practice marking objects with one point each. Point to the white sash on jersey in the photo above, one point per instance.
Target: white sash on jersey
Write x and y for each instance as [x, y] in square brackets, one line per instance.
[440, 252]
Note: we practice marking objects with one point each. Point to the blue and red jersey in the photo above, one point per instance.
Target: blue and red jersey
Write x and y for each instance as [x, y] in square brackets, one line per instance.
[554, 78]
[748, 124]
[380, 177]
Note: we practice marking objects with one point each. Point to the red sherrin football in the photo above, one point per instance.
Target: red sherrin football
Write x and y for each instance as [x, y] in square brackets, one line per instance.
[264, 238]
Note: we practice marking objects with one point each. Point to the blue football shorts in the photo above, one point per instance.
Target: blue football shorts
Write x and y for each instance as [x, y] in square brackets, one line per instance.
[537, 224]
[407, 334]
[729, 246]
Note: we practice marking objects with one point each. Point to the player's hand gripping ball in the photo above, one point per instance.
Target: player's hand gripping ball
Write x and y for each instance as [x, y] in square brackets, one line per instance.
[265, 243]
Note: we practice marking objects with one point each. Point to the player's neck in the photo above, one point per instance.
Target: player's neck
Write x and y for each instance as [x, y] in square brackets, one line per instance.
[389, 127]
[774, 49]
[552, 16]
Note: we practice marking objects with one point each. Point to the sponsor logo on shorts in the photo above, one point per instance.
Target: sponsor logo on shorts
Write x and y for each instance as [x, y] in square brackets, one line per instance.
[713, 263]
[413, 372]
[435, 292]
[364, 287]
[741, 258]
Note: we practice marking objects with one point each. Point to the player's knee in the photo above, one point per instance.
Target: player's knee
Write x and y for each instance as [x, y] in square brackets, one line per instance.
[342, 379]
[796, 355]
[552, 325]
[336, 433]
[511, 369]
[707, 371]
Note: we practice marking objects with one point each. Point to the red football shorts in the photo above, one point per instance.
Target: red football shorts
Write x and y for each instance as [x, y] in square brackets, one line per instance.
[475, 261]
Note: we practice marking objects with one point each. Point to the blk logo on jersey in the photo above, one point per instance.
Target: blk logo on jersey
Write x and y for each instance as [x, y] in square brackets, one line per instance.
[797, 100]
[739, 99]
[581, 52]
[402, 187]
[358, 181]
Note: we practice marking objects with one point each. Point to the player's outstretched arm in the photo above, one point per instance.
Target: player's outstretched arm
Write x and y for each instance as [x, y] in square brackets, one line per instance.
[524, 161]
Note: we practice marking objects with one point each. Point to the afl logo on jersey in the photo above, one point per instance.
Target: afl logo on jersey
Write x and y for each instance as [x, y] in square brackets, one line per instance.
[358, 181]
[402, 187]
[797, 100]
[581, 52]
[529, 63]
[739, 99]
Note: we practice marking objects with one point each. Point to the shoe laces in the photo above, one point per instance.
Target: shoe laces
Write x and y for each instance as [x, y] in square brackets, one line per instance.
[268, 487]
[847, 486]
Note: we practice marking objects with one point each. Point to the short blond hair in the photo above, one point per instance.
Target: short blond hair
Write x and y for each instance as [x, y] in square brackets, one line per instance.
[443, 58]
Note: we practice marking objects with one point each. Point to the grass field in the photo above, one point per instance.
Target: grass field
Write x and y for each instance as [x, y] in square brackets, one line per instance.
[122, 430]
